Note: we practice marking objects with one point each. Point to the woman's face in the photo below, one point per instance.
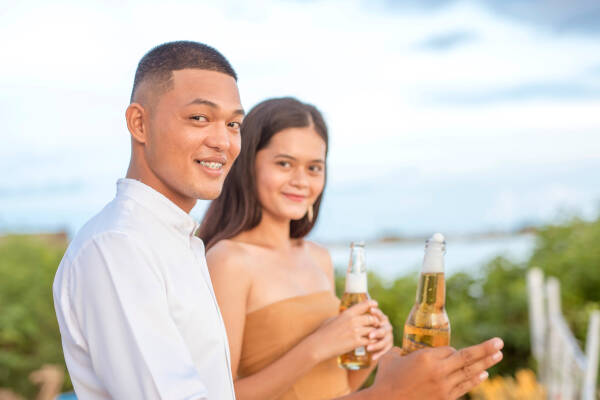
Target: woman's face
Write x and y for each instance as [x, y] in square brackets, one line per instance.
[290, 172]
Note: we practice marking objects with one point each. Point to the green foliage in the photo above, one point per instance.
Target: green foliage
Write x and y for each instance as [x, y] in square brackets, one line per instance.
[492, 303]
[29, 335]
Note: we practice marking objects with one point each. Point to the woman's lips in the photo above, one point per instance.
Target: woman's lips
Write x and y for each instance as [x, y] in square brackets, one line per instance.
[295, 197]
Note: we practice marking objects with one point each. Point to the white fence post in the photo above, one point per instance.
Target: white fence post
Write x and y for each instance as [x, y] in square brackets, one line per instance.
[554, 344]
[537, 313]
[591, 357]
[566, 372]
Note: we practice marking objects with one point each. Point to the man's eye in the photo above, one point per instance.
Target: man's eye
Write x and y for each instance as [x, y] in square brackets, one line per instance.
[235, 125]
[201, 118]
[315, 168]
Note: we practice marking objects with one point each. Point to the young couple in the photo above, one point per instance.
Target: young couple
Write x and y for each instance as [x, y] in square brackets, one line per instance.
[134, 298]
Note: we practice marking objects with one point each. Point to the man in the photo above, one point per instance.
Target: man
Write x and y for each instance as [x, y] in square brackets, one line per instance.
[133, 297]
[134, 301]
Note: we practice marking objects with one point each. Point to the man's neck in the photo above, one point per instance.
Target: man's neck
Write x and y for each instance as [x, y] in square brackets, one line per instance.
[148, 179]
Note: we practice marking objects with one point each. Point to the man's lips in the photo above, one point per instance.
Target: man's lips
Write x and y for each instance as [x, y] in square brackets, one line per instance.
[212, 163]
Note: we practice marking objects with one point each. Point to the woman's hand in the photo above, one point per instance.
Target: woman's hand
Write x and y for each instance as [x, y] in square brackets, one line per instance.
[381, 339]
[349, 330]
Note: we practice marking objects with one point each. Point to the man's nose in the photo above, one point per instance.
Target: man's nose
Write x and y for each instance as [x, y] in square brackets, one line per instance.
[218, 138]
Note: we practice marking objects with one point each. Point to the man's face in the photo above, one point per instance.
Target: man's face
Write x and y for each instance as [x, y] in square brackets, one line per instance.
[193, 136]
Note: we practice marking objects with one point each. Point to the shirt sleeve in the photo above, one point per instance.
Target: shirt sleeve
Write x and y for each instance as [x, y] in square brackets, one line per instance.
[119, 300]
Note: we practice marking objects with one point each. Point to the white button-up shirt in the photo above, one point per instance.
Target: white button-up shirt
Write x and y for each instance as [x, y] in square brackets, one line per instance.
[136, 309]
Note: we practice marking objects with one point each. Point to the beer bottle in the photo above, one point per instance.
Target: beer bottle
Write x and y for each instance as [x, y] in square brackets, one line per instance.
[427, 324]
[355, 292]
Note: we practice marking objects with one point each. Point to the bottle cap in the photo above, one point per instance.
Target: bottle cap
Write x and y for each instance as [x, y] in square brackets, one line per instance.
[435, 248]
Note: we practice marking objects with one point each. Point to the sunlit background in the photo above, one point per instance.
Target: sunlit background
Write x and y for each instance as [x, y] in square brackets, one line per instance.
[477, 119]
[454, 116]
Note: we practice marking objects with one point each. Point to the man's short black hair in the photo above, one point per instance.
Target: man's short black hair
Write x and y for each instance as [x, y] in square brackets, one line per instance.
[159, 63]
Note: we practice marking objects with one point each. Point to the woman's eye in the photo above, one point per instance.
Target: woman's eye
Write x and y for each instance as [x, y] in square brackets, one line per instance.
[200, 118]
[284, 164]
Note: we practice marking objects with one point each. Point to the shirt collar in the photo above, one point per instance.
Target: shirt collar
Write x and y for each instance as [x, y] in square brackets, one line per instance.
[159, 205]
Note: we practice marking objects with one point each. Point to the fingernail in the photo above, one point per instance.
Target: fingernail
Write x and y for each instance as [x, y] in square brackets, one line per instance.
[498, 343]
[369, 347]
[483, 376]
[497, 356]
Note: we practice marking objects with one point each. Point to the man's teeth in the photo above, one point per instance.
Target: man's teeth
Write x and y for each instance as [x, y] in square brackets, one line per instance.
[212, 165]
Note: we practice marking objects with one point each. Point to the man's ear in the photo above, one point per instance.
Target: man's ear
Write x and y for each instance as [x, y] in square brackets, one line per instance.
[134, 115]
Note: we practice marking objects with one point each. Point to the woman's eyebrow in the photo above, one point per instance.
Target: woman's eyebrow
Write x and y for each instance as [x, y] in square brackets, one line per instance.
[285, 156]
[281, 155]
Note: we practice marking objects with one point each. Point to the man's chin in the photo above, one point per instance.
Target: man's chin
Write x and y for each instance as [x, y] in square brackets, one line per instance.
[207, 194]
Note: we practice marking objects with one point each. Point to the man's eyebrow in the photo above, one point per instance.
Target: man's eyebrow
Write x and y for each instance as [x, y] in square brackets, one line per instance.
[211, 104]
[318, 160]
[203, 102]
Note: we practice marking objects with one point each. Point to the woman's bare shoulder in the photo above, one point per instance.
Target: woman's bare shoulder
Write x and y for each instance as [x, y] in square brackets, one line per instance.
[229, 257]
[321, 255]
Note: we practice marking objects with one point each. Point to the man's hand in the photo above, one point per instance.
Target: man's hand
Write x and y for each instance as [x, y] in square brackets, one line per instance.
[440, 373]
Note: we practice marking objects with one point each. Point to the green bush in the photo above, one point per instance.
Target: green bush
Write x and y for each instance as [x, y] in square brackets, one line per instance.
[493, 303]
[29, 335]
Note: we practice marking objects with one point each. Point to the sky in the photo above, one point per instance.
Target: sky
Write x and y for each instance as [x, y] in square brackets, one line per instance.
[444, 115]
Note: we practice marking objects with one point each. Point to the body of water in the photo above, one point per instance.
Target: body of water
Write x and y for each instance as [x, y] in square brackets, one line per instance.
[392, 260]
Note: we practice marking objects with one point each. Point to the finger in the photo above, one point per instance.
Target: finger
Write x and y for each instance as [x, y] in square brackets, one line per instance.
[363, 333]
[380, 353]
[376, 312]
[378, 346]
[380, 332]
[465, 386]
[468, 372]
[470, 355]
[377, 334]
[440, 353]
[366, 320]
[360, 339]
[383, 319]
[361, 308]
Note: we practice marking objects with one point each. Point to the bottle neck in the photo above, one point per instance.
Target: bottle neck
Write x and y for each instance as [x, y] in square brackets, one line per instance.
[356, 275]
[357, 264]
[432, 290]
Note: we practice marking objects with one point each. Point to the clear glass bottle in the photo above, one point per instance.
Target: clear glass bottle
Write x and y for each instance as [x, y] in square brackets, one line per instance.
[355, 292]
[427, 324]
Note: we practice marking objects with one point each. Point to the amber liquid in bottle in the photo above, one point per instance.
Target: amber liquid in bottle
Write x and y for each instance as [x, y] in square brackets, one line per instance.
[427, 324]
[356, 292]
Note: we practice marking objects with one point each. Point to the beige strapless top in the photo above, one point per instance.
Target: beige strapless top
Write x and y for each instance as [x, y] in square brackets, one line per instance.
[273, 330]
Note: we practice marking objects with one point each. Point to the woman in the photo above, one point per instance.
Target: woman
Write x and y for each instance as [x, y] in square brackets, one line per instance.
[275, 289]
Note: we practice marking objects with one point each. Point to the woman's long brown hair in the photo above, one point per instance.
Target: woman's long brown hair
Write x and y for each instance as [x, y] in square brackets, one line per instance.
[238, 209]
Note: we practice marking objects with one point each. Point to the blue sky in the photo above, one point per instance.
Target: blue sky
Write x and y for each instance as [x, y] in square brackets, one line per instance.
[486, 111]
